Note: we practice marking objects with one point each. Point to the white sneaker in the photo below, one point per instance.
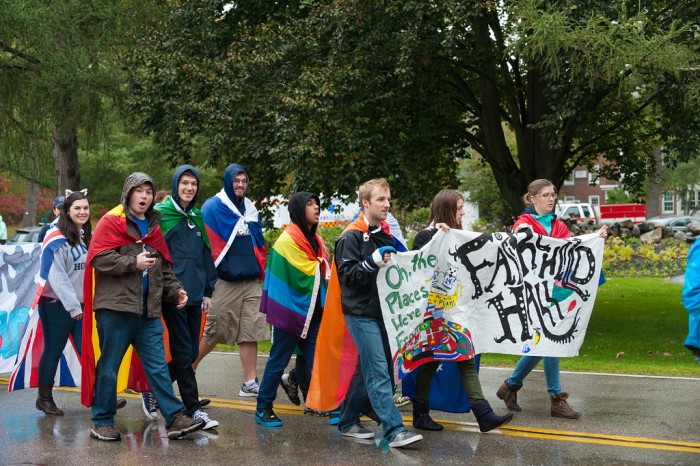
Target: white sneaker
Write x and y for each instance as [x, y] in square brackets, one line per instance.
[250, 389]
[208, 423]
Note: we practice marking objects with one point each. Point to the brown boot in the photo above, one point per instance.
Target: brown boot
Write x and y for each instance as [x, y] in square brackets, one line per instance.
[44, 401]
[560, 408]
[509, 395]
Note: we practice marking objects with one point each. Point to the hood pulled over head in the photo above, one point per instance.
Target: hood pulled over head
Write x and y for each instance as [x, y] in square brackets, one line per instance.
[230, 173]
[132, 181]
[297, 213]
[179, 171]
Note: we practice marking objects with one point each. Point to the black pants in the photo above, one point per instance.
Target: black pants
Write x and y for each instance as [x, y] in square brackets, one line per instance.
[183, 329]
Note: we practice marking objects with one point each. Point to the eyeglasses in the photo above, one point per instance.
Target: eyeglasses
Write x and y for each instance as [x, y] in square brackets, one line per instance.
[546, 196]
[241, 182]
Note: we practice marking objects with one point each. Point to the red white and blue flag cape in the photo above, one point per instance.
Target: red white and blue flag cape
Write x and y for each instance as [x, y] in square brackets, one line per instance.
[26, 371]
[223, 221]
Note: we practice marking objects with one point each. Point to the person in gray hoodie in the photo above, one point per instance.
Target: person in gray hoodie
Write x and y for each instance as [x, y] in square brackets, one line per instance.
[61, 302]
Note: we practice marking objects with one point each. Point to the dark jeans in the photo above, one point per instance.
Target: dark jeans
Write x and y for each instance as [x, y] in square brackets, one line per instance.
[468, 375]
[117, 331]
[283, 345]
[57, 326]
[183, 329]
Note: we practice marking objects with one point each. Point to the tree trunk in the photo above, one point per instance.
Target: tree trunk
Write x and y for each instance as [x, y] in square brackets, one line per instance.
[654, 194]
[30, 203]
[65, 150]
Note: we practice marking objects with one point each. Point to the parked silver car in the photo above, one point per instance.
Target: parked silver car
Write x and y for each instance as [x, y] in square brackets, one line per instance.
[677, 223]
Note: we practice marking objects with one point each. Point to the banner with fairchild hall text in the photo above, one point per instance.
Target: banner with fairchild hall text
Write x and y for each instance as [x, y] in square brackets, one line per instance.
[467, 293]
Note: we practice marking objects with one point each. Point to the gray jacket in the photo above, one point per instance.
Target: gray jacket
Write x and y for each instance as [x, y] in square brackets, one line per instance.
[65, 281]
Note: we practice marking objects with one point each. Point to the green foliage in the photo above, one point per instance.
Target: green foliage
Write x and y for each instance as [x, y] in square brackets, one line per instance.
[637, 327]
[618, 196]
[478, 181]
[329, 234]
[626, 258]
[403, 89]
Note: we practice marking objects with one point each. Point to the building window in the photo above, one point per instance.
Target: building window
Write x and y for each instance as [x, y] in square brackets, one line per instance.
[580, 174]
[569, 199]
[569, 181]
[668, 201]
[594, 200]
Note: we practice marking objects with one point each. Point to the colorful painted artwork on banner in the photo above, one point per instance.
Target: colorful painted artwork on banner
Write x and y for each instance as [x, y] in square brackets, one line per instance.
[18, 266]
[466, 293]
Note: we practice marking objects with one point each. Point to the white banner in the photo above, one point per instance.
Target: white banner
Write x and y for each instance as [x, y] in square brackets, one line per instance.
[18, 266]
[467, 293]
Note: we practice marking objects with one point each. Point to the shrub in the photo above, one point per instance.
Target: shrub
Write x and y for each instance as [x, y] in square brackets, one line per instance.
[635, 259]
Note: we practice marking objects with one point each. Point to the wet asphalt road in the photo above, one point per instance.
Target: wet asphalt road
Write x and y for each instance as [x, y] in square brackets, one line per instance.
[626, 420]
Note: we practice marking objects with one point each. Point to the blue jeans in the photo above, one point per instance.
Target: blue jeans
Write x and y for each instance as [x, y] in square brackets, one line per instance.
[118, 330]
[525, 366]
[283, 345]
[372, 383]
[57, 325]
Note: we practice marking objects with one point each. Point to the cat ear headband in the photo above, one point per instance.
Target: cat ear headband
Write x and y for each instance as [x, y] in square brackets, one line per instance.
[82, 191]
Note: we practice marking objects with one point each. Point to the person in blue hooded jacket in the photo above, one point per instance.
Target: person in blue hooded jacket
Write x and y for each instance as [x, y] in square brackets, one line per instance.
[183, 228]
[691, 300]
[238, 248]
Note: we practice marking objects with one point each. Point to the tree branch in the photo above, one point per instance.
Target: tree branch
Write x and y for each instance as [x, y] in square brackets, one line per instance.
[18, 53]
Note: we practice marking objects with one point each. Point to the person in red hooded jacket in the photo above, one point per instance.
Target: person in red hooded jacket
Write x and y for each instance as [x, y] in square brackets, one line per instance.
[539, 217]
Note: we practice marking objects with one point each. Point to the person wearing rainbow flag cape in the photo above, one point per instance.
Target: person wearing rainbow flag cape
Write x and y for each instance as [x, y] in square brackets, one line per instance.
[132, 278]
[353, 361]
[238, 248]
[294, 293]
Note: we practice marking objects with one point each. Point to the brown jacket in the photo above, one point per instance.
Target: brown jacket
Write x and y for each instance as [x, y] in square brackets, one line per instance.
[119, 284]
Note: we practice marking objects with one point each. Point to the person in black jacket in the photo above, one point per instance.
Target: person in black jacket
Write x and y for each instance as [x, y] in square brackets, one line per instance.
[446, 211]
[359, 253]
[193, 265]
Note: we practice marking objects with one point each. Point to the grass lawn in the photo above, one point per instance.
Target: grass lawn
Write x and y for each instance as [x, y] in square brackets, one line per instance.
[638, 327]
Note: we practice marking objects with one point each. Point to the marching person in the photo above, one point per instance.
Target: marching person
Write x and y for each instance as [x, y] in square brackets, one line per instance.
[539, 204]
[132, 278]
[446, 212]
[294, 293]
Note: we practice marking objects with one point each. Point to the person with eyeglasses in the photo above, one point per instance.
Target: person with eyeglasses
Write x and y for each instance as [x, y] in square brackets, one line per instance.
[238, 249]
[538, 216]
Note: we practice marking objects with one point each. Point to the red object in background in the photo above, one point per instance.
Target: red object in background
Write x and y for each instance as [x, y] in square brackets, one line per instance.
[616, 212]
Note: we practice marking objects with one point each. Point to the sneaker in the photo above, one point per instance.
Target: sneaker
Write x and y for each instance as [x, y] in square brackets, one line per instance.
[106, 433]
[149, 405]
[267, 417]
[183, 425]
[204, 402]
[208, 423]
[313, 412]
[405, 438]
[291, 388]
[357, 431]
[121, 402]
[401, 401]
[250, 388]
[334, 418]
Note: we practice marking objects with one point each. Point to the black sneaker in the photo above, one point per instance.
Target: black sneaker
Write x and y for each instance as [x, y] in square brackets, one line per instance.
[267, 417]
[149, 404]
[183, 425]
[204, 402]
[121, 402]
[105, 433]
[291, 388]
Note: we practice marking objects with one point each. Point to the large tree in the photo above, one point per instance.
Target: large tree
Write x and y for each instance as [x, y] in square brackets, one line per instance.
[58, 62]
[323, 94]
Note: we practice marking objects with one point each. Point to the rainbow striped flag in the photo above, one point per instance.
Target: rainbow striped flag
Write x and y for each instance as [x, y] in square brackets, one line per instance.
[26, 371]
[223, 221]
[294, 279]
